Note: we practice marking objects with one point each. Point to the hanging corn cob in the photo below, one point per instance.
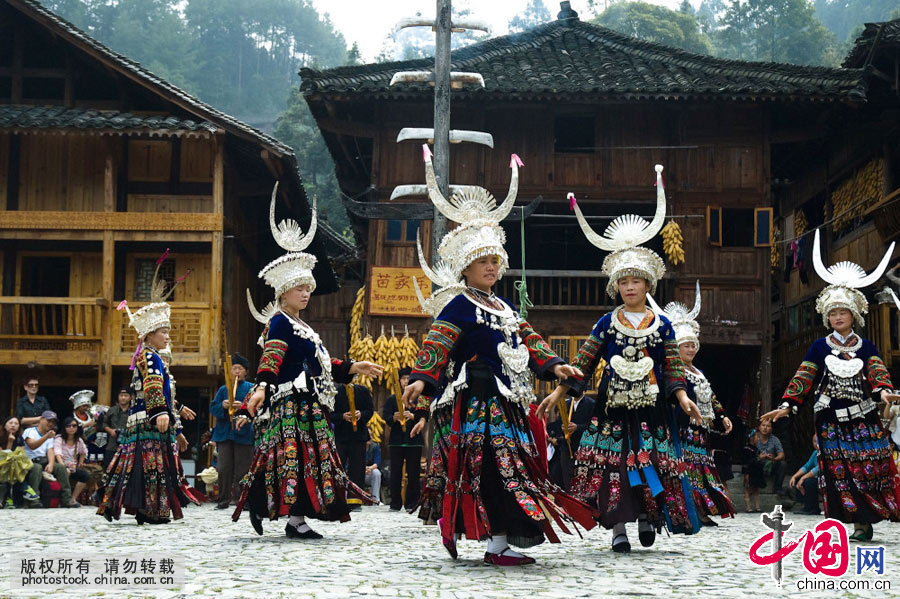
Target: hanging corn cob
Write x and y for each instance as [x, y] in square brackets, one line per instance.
[376, 427]
[673, 243]
[408, 350]
[356, 315]
[855, 195]
[775, 250]
[363, 349]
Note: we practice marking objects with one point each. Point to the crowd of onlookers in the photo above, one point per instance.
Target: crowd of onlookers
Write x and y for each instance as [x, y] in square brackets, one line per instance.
[45, 463]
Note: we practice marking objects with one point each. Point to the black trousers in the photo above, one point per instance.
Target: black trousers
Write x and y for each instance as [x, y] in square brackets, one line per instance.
[561, 465]
[411, 456]
[353, 459]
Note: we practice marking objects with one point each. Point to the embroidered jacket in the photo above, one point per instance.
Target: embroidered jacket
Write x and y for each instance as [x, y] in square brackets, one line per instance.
[152, 388]
[847, 376]
[636, 369]
[467, 331]
[292, 349]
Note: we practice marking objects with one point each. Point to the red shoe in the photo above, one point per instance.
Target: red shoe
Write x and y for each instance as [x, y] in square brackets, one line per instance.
[498, 559]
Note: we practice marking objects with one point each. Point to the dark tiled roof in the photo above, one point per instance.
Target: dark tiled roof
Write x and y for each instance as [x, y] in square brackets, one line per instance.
[577, 59]
[57, 117]
[890, 37]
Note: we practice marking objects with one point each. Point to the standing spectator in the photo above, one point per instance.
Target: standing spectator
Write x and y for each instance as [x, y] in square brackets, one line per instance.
[403, 450]
[562, 463]
[351, 443]
[14, 467]
[31, 405]
[234, 447]
[373, 463]
[114, 423]
[70, 451]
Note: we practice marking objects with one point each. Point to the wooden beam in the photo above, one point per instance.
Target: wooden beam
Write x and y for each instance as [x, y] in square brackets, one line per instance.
[9, 357]
[29, 220]
[54, 235]
[109, 179]
[351, 128]
[107, 321]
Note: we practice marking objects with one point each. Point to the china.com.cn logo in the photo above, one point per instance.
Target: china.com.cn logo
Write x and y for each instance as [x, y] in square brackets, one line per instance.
[826, 548]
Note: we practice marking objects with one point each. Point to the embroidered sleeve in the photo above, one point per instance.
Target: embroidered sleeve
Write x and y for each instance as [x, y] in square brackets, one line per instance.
[434, 355]
[589, 356]
[154, 395]
[717, 408]
[340, 371]
[542, 358]
[879, 377]
[673, 375]
[801, 384]
[423, 405]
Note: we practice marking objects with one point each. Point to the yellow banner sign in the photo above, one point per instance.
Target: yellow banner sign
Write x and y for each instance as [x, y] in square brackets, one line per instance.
[391, 291]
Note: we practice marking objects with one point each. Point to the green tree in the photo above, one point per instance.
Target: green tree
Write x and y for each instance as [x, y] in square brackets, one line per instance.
[656, 24]
[534, 14]
[297, 128]
[354, 56]
[843, 17]
[775, 31]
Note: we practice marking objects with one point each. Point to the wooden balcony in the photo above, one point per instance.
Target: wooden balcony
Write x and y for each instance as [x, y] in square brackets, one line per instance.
[558, 289]
[50, 330]
[190, 335]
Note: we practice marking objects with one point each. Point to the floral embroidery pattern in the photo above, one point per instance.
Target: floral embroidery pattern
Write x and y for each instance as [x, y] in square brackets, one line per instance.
[273, 356]
[879, 377]
[801, 384]
[435, 352]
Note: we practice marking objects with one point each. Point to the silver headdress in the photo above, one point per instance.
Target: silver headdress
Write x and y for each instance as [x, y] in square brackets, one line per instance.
[445, 284]
[683, 319]
[475, 209]
[623, 238]
[295, 267]
[844, 280]
[84, 397]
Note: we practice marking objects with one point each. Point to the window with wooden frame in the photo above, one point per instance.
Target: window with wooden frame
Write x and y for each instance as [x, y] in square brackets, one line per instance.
[401, 232]
[763, 227]
[714, 225]
[144, 268]
[574, 133]
[739, 227]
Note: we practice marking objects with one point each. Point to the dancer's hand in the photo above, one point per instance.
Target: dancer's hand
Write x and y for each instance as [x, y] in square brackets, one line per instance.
[564, 371]
[689, 407]
[418, 428]
[370, 369]
[412, 393]
[726, 423]
[187, 413]
[551, 400]
[162, 423]
[239, 422]
[255, 401]
[775, 415]
[182, 442]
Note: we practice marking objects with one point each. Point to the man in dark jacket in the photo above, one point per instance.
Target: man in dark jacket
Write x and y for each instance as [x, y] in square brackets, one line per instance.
[403, 450]
[350, 440]
[234, 448]
[562, 462]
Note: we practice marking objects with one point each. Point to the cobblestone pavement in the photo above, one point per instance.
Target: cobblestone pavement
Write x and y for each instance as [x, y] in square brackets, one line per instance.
[390, 554]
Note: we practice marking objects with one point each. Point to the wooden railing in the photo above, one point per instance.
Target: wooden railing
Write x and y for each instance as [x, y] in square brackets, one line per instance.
[558, 290]
[189, 336]
[50, 323]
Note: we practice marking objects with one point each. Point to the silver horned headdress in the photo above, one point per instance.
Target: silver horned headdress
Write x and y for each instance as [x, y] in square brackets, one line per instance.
[295, 267]
[445, 283]
[476, 210]
[623, 238]
[683, 319]
[844, 281]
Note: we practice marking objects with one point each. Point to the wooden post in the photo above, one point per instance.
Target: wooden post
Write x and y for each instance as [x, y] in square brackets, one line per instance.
[108, 329]
[441, 118]
[216, 257]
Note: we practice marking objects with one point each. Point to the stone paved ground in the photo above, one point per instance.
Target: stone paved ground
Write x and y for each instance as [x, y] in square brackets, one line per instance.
[363, 558]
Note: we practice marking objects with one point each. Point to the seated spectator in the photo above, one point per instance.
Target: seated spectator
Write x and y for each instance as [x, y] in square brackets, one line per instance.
[14, 467]
[31, 405]
[90, 420]
[114, 424]
[37, 441]
[806, 481]
[39, 447]
[373, 463]
[768, 463]
[69, 450]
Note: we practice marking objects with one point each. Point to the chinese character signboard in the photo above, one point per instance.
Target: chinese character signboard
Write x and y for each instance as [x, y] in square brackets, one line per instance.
[391, 291]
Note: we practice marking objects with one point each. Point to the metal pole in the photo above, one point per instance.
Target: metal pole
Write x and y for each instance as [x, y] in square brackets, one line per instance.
[441, 118]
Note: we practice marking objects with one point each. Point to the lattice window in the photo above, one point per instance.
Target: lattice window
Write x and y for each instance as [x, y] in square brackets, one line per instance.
[185, 335]
[143, 277]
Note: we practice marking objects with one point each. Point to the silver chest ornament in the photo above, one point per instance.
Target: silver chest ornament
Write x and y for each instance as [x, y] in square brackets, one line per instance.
[629, 382]
[703, 395]
[512, 352]
[324, 383]
[844, 379]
